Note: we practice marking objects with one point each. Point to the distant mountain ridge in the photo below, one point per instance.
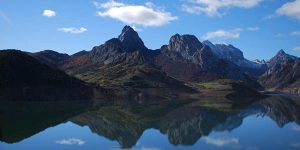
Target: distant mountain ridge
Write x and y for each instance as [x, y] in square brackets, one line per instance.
[128, 48]
[126, 61]
[187, 59]
[236, 56]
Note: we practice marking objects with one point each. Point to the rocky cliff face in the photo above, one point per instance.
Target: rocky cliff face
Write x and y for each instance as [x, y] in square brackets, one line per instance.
[122, 61]
[283, 73]
[125, 60]
[236, 56]
[127, 47]
[130, 40]
[187, 59]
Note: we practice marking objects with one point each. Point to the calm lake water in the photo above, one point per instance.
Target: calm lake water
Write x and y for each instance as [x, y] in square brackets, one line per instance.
[268, 124]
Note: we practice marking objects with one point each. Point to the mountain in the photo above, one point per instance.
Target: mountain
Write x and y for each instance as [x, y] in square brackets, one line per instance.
[281, 58]
[236, 56]
[21, 69]
[283, 73]
[122, 61]
[187, 59]
[257, 61]
[126, 62]
[50, 57]
[23, 78]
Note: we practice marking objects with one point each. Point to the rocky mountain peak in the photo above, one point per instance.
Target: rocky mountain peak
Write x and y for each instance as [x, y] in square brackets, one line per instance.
[130, 40]
[281, 52]
[224, 51]
[185, 44]
[281, 56]
[280, 60]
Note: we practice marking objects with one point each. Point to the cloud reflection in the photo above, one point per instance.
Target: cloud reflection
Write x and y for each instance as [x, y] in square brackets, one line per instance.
[221, 141]
[71, 141]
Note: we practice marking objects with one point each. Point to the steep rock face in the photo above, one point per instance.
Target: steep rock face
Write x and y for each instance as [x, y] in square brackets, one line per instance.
[130, 40]
[187, 59]
[280, 59]
[284, 73]
[128, 47]
[122, 61]
[186, 45]
[236, 56]
[228, 52]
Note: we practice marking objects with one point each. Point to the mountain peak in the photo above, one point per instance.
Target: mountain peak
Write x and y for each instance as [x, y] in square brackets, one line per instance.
[130, 39]
[185, 43]
[281, 52]
[281, 58]
[128, 29]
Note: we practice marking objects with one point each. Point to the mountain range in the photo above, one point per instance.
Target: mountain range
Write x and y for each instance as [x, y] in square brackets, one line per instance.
[126, 62]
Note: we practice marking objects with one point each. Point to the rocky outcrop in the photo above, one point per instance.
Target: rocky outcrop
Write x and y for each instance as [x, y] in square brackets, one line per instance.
[283, 73]
[187, 59]
[120, 62]
[236, 56]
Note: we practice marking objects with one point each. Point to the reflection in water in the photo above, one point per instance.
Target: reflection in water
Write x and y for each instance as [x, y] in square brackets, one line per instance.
[19, 121]
[183, 123]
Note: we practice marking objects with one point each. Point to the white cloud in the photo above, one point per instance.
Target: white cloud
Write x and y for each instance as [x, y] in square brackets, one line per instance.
[221, 141]
[136, 28]
[212, 7]
[49, 13]
[296, 49]
[71, 141]
[223, 34]
[73, 30]
[145, 15]
[290, 9]
[295, 33]
[149, 148]
[253, 28]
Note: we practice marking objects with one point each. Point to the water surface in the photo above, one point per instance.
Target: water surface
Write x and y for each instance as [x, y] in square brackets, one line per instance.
[271, 123]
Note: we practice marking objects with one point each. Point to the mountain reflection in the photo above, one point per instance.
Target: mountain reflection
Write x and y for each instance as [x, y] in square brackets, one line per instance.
[183, 123]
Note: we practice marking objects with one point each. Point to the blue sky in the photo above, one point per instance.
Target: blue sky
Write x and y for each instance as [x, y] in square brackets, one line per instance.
[258, 27]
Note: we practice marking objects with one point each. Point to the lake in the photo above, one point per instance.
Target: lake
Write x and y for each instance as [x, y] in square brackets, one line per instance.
[269, 123]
